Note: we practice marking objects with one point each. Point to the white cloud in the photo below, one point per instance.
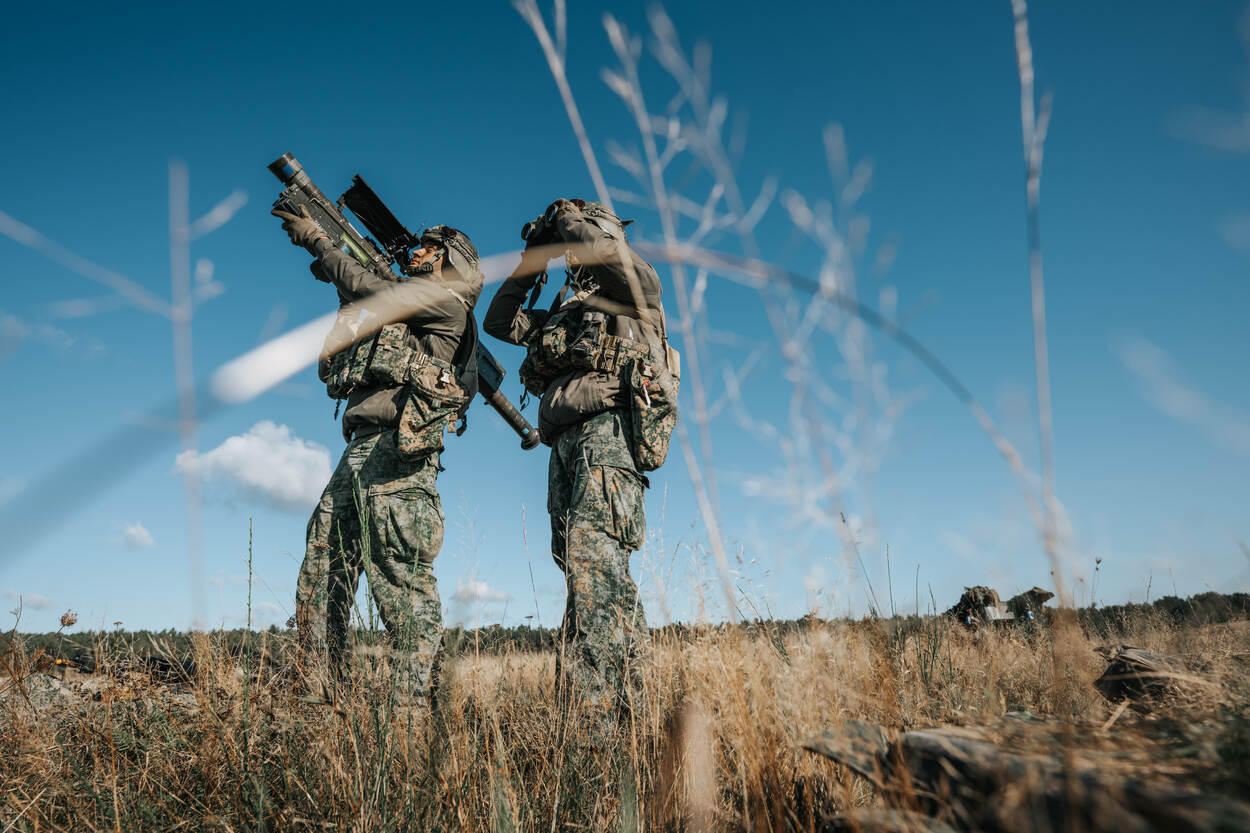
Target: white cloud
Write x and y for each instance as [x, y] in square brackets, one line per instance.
[473, 590]
[1164, 387]
[137, 537]
[14, 331]
[816, 580]
[1219, 129]
[264, 614]
[267, 462]
[29, 601]
[960, 544]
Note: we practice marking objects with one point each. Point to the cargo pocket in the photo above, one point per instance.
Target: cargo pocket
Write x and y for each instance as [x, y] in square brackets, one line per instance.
[623, 499]
[652, 414]
[409, 525]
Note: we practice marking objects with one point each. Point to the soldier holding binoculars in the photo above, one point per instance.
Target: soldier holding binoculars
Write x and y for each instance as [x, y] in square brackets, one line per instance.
[599, 360]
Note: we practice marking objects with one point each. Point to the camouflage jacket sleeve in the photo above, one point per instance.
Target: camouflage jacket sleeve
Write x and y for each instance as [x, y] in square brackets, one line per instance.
[353, 280]
[422, 304]
[615, 265]
[506, 319]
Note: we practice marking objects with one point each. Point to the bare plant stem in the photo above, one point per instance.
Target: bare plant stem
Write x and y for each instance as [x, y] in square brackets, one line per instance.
[554, 52]
[702, 468]
[1034, 122]
[184, 374]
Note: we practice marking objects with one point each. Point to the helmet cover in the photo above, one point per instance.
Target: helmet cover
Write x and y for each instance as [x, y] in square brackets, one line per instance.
[604, 218]
[461, 260]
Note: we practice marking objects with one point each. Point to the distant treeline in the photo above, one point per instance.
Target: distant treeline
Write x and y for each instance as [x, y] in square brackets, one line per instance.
[1203, 609]
[1099, 621]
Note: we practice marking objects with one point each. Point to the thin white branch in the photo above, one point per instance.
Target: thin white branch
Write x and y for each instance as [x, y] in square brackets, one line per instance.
[1033, 130]
[184, 371]
[220, 214]
[554, 53]
[123, 286]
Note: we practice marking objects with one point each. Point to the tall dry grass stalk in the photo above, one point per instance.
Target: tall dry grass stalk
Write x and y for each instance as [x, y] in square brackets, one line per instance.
[714, 743]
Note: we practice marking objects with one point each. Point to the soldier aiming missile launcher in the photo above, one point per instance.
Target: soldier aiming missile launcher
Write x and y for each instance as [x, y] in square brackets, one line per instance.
[392, 247]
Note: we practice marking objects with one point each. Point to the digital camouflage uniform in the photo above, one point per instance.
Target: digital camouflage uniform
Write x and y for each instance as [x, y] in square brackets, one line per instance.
[595, 498]
[595, 488]
[380, 514]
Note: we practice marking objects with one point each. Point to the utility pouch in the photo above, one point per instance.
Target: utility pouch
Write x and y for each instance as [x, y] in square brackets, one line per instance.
[387, 360]
[432, 405]
[335, 368]
[338, 371]
[548, 356]
[652, 409]
[379, 361]
[586, 348]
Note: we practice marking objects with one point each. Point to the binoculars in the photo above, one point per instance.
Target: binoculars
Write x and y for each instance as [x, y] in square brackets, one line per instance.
[538, 232]
[542, 230]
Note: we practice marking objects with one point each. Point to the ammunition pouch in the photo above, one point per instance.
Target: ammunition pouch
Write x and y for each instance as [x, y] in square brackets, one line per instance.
[547, 356]
[574, 339]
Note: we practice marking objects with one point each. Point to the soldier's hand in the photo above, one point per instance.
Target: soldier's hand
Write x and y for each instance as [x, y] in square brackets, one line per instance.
[533, 263]
[301, 228]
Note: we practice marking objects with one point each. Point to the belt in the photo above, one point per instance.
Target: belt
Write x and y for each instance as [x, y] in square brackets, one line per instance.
[365, 431]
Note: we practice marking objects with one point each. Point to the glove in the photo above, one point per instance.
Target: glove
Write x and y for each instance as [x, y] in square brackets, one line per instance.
[301, 228]
[557, 211]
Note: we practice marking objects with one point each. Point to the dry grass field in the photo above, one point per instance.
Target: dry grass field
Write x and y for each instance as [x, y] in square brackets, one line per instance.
[716, 742]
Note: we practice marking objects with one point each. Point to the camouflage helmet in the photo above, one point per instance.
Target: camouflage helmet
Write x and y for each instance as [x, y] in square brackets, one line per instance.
[465, 277]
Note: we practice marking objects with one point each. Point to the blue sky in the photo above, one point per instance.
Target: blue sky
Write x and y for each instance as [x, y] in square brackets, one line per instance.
[453, 117]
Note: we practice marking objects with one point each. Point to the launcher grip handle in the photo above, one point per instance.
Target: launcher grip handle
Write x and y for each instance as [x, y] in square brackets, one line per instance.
[527, 433]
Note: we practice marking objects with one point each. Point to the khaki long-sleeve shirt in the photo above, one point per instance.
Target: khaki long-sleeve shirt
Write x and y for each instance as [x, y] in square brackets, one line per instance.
[436, 322]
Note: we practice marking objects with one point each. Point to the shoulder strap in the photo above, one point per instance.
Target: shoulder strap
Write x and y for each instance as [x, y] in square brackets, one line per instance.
[464, 362]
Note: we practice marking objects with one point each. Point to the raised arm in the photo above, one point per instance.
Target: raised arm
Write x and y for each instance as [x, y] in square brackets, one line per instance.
[506, 319]
[420, 303]
[345, 272]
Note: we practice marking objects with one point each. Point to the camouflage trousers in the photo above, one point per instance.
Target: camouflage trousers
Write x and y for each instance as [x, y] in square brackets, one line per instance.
[381, 515]
[595, 497]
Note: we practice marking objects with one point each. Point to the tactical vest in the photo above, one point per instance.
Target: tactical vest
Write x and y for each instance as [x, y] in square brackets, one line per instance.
[575, 338]
[434, 400]
[572, 340]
